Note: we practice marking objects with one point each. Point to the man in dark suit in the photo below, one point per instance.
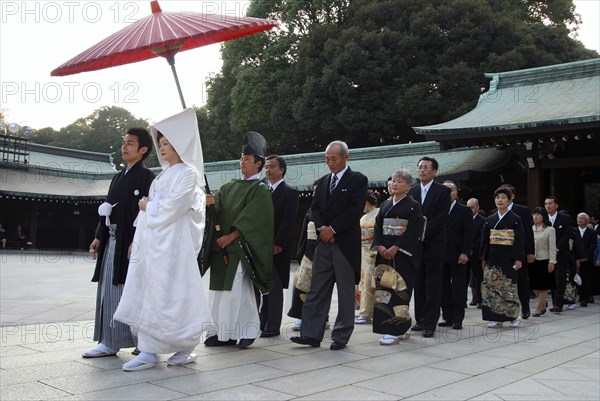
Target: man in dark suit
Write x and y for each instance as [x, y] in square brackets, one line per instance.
[435, 205]
[585, 246]
[564, 232]
[336, 210]
[523, 273]
[458, 248]
[285, 205]
[475, 254]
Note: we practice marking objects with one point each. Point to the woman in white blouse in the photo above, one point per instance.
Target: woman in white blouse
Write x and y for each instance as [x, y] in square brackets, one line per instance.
[541, 272]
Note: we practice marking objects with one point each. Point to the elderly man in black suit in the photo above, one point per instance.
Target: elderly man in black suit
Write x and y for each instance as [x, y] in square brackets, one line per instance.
[564, 232]
[435, 205]
[336, 210]
[585, 246]
[458, 248]
[475, 254]
[285, 205]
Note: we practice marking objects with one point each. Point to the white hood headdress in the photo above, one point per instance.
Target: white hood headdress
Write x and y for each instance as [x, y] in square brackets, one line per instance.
[181, 130]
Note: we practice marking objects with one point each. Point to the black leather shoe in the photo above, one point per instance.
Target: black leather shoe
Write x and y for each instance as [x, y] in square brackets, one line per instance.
[583, 303]
[445, 323]
[335, 346]
[457, 326]
[472, 303]
[245, 343]
[525, 315]
[416, 327]
[428, 333]
[555, 309]
[305, 341]
[214, 342]
[269, 334]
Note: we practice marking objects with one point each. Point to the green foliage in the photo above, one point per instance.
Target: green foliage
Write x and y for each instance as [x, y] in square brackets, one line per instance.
[101, 131]
[43, 136]
[365, 71]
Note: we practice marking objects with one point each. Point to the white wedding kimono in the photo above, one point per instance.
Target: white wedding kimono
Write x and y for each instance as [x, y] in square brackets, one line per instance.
[163, 301]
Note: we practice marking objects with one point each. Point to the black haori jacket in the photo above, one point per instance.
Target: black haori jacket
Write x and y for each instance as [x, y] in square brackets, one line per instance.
[127, 190]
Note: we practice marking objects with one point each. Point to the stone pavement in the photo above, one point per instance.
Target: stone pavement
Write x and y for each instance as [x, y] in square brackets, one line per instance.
[46, 312]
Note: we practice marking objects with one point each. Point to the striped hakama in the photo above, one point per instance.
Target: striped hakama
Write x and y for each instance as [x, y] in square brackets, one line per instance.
[106, 331]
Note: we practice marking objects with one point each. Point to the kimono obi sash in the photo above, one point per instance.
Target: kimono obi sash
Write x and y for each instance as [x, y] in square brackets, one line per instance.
[311, 231]
[366, 233]
[394, 226]
[504, 237]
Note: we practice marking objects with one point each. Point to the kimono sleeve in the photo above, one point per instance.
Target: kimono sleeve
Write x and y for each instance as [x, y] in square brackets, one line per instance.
[177, 202]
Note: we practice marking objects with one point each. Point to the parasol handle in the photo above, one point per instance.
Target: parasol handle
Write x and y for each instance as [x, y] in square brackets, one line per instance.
[171, 61]
[213, 214]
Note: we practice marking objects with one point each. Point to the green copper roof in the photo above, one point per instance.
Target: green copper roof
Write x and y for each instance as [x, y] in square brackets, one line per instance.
[556, 97]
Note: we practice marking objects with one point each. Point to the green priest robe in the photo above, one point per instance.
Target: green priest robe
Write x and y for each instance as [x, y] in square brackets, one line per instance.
[246, 206]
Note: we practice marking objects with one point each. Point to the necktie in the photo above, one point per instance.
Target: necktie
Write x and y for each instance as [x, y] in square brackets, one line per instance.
[423, 194]
[333, 183]
[271, 188]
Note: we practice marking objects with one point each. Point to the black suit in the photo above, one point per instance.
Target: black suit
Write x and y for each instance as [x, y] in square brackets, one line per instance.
[338, 262]
[475, 258]
[458, 241]
[428, 286]
[285, 207]
[585, 246]
[564, 232]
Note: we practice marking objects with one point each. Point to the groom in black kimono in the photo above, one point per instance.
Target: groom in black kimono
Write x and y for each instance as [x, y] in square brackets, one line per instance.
[113, 241]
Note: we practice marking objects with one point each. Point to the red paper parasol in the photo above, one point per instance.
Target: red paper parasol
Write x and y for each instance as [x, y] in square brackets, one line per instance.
[162, 34]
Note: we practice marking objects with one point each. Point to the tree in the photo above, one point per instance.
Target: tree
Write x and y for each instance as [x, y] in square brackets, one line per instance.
[43, 136]
[365, 71]
[101, 131]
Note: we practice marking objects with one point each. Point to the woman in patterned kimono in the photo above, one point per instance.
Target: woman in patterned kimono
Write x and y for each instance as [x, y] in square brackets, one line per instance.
[397, 238]
[502, 253]
[368, 255]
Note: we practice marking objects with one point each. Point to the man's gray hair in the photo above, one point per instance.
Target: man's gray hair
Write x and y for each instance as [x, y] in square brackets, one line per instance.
[404, 175]
[583, 214]
[342, 146]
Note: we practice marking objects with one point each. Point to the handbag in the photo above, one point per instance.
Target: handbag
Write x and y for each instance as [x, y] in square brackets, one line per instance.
[390, 278]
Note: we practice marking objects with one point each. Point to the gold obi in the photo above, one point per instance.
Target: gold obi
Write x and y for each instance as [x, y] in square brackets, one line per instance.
[394, 226]
[504, 237]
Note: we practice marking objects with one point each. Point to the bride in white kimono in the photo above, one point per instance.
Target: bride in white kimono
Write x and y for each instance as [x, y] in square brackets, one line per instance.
[163, 300]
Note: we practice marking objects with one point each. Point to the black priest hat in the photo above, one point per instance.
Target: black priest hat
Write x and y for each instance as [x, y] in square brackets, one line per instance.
[254, 144]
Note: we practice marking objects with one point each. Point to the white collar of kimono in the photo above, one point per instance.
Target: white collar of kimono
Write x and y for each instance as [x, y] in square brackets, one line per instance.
[254, 177]
[181, 130]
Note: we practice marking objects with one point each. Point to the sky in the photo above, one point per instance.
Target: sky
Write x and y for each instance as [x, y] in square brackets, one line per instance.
[38, 36]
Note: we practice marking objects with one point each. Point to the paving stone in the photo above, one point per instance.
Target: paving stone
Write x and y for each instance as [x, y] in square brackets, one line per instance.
[141, 392]
[316, 381]
[349, 393]
[412, 382]
[31, 391]
[49, 371]
[244, 392]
